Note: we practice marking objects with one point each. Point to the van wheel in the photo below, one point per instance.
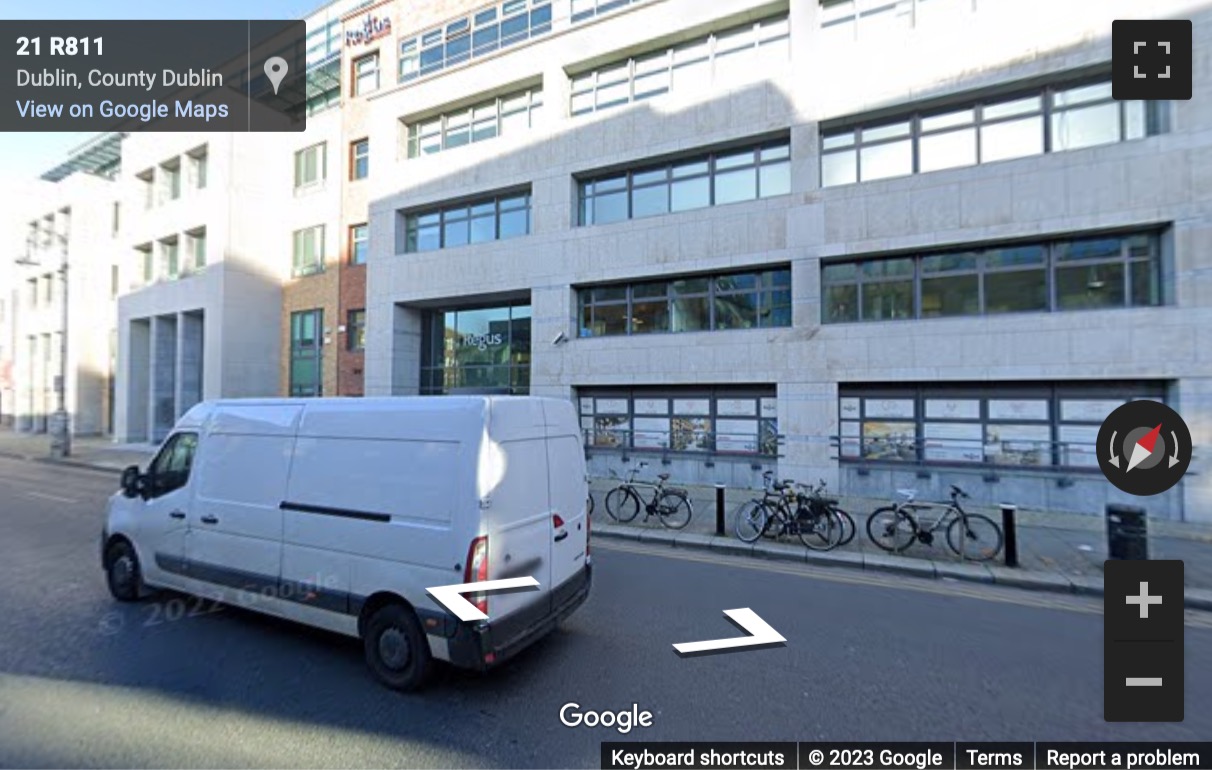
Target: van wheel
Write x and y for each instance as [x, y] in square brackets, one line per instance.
[396, 649]
[123, 575]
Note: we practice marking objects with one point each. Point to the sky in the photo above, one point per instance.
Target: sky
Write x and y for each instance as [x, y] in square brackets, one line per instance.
[27, 155]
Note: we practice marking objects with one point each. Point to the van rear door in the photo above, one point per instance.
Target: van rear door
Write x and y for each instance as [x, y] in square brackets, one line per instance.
[517, 521]
[568, 489]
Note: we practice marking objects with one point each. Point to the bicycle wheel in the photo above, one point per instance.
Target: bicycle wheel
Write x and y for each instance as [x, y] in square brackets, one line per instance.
[819, 531]
[589, 505]
[982, 539]
[891, 529]
[622, 504]
[847, 526]
[674, 510]
[751, 520]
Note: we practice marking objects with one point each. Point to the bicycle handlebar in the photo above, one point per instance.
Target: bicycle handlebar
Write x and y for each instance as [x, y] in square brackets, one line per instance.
[957, 492]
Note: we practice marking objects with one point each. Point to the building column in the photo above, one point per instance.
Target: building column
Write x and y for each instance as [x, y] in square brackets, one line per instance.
[189, 361]
[405, 365]
[808, 418]
[551, 315]
[162, 409]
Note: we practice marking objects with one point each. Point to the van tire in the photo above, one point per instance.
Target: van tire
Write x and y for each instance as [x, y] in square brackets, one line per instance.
[122, 572]
[400, 668]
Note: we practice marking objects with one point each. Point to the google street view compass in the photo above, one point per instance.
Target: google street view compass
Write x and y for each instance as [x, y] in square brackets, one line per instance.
[1144, 448]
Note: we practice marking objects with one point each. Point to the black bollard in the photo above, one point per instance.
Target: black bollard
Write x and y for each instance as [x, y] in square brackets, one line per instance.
[1008, 528]
[719, 509]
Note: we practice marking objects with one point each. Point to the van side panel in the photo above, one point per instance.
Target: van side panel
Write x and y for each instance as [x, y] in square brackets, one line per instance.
[369, 515]
[235, 525]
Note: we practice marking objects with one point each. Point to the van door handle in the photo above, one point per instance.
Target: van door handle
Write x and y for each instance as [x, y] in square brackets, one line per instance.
[208, 519]
[177, 515]
[561, 536]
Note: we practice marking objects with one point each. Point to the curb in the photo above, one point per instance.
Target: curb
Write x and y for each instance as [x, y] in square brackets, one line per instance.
[988, 574]
[71, 463]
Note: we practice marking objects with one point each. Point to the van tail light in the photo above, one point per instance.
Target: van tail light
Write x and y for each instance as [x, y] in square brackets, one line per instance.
[477, 570]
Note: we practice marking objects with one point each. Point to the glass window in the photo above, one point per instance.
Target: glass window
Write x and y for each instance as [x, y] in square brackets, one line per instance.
[311, 165]
[481, 221]
[1086, 127]
[357, 244]
[1081, 287]
[308, 251]
[361, 159]
[950, 149]
[887, 300]
[882, 161]
[736, 185]
[839, 168]
[355, 330]
[366, 74]
[950, 295]
[1012, 139]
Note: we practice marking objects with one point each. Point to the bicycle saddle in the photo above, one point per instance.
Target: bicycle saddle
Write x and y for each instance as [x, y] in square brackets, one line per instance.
[908, 494]
[663, 476]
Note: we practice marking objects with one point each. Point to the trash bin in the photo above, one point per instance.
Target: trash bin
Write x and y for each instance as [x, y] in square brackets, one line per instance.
[1127, 532]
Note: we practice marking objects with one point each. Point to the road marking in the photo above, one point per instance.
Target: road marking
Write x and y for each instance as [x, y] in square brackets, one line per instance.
[55, 498]
[983, 592]
[449, 596]
[761, 634]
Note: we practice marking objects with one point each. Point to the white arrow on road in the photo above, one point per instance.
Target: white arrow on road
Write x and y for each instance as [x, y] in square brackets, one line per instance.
[449, 596]
[759, 630]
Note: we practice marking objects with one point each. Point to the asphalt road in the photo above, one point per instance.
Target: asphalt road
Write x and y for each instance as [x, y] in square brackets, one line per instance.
[85, 681]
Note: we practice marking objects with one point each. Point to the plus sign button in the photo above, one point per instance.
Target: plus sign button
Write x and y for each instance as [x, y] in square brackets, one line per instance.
[1151, 59]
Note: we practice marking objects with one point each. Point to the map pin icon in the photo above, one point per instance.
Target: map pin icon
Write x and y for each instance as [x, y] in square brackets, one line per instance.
[275, 68]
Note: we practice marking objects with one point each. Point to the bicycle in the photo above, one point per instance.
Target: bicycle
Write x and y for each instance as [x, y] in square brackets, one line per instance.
[772, 515]
[589, 505]
[970, 535]
[816, 496]
[670, 505]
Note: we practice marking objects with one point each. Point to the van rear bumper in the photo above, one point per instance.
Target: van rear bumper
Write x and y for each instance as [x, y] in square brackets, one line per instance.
[484, 645]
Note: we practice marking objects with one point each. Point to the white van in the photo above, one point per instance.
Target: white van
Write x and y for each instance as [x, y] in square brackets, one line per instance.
[340, 513]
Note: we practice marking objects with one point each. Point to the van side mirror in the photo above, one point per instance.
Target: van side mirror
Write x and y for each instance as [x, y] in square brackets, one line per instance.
[132, 482]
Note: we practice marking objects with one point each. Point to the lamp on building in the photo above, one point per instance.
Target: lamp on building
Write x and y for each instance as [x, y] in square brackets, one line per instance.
[60, 422]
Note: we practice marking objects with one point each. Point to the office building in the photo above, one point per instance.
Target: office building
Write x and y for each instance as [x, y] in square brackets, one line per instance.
[65, 228]
[902, 244]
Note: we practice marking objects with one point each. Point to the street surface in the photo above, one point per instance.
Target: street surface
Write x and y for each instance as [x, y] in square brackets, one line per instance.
[177, 683]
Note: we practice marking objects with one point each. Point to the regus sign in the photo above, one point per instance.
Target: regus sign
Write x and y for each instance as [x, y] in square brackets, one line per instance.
[372, 28]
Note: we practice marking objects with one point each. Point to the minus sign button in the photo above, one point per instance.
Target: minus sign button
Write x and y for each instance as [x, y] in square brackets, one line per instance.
[1144, 681]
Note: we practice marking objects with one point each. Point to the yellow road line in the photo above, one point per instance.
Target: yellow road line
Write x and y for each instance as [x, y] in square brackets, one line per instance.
[990, 592]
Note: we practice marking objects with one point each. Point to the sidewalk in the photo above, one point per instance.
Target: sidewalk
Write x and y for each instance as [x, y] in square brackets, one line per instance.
[1057, 552]
[87, 451]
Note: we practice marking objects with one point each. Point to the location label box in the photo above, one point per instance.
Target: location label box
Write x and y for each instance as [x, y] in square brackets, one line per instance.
[100, 76]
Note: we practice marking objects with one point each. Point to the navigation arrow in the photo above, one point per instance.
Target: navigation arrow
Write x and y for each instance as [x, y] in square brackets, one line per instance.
[449, 596]
[1114, 457]
[1174, 457]
[760, 634]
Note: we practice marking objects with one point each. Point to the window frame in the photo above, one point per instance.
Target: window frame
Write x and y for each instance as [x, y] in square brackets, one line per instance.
[587, 184]
[316, 266]
[359, 159]
[421, 129]
[310, 352]
[478, 33]
[1051, 264]
[154, 488]
[832, 140]
[1055, 458]
[464, 211]
[354, 241]
[321, 166]
[355, 331]
[624, 71]
[358, 75]
[769, 280]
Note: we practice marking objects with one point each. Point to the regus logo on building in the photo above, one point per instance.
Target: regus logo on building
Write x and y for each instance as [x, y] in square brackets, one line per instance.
[372, 28]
